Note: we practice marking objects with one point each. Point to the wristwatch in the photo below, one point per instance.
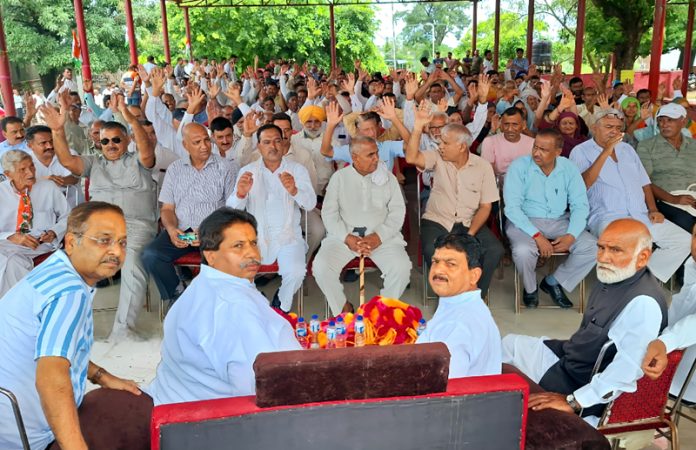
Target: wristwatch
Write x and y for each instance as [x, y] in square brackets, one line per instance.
[574, 404]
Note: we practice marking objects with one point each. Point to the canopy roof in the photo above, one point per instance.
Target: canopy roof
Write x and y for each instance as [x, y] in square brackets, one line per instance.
[249, 3]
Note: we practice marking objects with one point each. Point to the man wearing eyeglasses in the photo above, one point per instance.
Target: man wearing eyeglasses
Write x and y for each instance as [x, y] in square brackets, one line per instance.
[46, 337]
[125, 179]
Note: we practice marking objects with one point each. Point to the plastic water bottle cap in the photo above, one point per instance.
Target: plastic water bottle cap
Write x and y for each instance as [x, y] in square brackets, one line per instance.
[422, 321]
[340, 319]
[332, 324]
[300, 320]
[315, 317]
[359, 317]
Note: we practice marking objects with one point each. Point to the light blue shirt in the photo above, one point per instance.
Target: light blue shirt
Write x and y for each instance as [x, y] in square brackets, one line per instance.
[529, 193]
[464, 323]
[48, 313]
[387, 150]
[618, 190]
[6, 147]
[212, 336]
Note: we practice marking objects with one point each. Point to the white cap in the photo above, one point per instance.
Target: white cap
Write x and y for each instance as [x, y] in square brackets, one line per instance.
[673, 110]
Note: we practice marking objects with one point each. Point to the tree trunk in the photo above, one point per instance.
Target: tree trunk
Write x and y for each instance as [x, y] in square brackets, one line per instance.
[48, 80]
[627, 51]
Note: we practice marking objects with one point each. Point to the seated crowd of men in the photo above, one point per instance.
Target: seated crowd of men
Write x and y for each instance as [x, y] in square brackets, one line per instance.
[287, 164]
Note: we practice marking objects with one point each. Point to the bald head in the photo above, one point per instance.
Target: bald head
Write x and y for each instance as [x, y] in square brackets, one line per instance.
[623, 248]
[197, 142]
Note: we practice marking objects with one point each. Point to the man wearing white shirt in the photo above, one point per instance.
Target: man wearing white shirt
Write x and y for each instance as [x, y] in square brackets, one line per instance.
[33, 218]
[312, 118]
[273, 189]
[362, 195]
[618, 186]
[150, 64]
[219, 325]
[462, 321]
[40, 141]
[13, 129]
[627, 306]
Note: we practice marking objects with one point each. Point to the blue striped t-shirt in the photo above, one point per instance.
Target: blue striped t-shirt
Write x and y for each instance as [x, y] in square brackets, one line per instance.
[48, 313]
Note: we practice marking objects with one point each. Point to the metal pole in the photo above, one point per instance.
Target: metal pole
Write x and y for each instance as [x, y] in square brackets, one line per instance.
[432, 38]
[579, 38]
[474, 28]
[82, 36]
[187, 23]
[530, 30]
[496, 36]
[130, 29]
[165, 32]
[5, 75]
[393, 37]
[688, 57]
[656, 49]
[332, 26]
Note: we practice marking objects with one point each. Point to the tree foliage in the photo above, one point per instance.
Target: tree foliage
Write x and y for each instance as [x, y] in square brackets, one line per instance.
[446, 17]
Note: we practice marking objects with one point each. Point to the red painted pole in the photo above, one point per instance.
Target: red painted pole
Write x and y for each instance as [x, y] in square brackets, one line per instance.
[474, 28]
[688, 57]
[5, 75]
[656, 49]
[82, 36]
[187, 23]
[496, 36]
[332, 27]
[530, 30]
[130, 28]
[579, 38]
[165, 32]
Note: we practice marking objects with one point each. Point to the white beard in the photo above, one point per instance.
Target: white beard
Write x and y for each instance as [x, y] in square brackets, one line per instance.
[312, 134]
[609, 274]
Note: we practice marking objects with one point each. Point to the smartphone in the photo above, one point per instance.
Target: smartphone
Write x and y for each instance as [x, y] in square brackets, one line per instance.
[189, 235]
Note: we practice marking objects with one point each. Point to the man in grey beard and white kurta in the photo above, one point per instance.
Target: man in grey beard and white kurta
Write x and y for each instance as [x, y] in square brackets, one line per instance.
[364, 194]
[273, 189]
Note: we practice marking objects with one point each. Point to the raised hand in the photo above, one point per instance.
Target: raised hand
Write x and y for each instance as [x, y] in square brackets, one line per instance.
[646, 111]
[244, 184]
[484, 85]
[234, 93]
[333, 114]
[677, 83]
[567, 100]
[142, 73]
[288, 182]
[313, 90]
[532, 71]
[442, 105]
[30, 103]
[388, 109]
[603, 101]
[64, 100]
[87, 85]
[196, 98]
[214, 90]
[157, 81]
[628, 87]
[411, 86]
[424, 114]
[661, 90]
[54, 119]
[545, 91]
[348, 84]
[249, 126]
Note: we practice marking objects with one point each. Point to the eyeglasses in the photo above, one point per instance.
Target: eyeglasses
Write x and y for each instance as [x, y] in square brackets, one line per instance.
[105, 141]
[106, 242]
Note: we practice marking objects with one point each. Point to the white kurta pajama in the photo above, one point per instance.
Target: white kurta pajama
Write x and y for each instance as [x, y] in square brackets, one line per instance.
[50, 210]
[373, 201]
[73, 193]
[278, 216]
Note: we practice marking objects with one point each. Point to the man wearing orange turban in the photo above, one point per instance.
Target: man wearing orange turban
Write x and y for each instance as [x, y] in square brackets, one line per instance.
[309, 139]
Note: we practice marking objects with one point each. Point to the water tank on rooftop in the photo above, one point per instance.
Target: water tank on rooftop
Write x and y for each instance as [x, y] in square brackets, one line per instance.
[541, 53]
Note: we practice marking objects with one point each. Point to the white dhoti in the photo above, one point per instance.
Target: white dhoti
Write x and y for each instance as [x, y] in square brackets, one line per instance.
[292, 269]
[390, 258]
[17, 261]
[529, 354]
[134, 277]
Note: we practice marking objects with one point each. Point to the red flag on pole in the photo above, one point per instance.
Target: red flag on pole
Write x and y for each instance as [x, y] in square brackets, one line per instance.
[75, 46]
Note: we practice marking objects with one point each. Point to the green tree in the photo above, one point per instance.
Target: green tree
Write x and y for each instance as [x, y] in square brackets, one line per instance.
[446, 17]
[279, 32]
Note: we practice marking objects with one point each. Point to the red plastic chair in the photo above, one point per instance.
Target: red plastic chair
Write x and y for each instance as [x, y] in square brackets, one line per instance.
[644, 409]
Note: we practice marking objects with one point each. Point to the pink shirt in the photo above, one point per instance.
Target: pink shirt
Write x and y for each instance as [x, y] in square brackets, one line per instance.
[501, 153]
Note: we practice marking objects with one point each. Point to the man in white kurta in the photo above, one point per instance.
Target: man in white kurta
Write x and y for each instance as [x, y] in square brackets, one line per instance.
[274, 189]
[462, 321]
[364, 194]
[45, 222]
[219, 325]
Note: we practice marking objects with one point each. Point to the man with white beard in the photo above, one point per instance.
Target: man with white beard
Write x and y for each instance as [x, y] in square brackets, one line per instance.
[627, 306]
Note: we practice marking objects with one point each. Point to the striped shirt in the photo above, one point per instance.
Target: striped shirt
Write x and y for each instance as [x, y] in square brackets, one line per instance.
[618, 190]
[48, 313]
[197, 193]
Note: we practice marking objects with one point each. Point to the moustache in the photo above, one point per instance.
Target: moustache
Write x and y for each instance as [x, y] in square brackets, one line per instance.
[251, 262]
[440, 278]
[111, 260]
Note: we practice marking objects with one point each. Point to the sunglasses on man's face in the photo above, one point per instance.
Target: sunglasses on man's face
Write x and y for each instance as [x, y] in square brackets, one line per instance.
[105, 141]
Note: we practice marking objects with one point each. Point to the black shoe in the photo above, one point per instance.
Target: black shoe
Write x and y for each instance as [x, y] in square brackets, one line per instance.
[263, 280]
[530, 300]
[350, 276]
[275, 303]
[556, 293]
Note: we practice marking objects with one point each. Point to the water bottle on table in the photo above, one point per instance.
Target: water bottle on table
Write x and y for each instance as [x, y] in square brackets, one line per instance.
[341, 334]
[314, 327]
[301, 332]
[331, 335]
[359, 331]
[421, 327]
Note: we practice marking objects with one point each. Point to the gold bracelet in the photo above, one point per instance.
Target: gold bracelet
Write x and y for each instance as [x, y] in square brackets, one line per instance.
[94, 379]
